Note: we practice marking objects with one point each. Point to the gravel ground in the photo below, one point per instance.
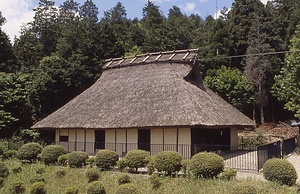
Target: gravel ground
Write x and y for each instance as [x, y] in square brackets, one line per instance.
[294, 159]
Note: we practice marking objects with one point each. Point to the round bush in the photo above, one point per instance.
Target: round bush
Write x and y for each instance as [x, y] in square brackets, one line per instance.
[135, 159]
[90, 161]
[280, 170]
[72, 190]
[61, 173]
[1, 182]
[245, 188]
[150, 164]
[38, 188]
[4, 172]
[1, 151]
[9, 154]
[206, 165]
[168, 162]
[17, 187]
[106, 159]
[96, 187]
[63, 159]
[29, 152]
[77, 159]
[228, 174]
[92, 174]
[127, 189]
[121, 164]
[123, 179]
[51, 153]
[16, 169]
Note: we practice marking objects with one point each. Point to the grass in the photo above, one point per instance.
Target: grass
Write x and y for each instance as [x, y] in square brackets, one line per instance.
[55, 184]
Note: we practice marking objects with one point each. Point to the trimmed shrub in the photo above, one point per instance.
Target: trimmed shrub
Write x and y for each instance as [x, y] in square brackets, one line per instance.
[76, 159]
[206, 165]
[29, 152]
[16, 169]
[155, 181]
[9, 154]
[168, 162]
[280, 171]
[184, 166]
[1, 151]
[17, 187]
[123, 179]
[63, 160]
[95, 187]
[51, 153]
[228, 174]
[245, 188]
[127, 189]
[72, 190]
[106, 159]
[38, 188]
[121, 164]
[92, 174]
[61, 173]
[4, 172]
[150, 164]
[135, 159]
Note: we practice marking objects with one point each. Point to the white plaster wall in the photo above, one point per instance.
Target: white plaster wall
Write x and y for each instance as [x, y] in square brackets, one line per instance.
[184, 142]
[234, 137]
[90, 141]
[132, 139]
[110, 139]
[156, 139]
[170, 139]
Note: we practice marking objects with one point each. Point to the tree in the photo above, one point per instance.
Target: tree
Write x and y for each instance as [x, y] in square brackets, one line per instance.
[232, 86]
[258, 64]
[287, 83]
[89, 11]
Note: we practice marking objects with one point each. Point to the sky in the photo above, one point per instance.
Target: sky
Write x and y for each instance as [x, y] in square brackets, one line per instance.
[20, 12]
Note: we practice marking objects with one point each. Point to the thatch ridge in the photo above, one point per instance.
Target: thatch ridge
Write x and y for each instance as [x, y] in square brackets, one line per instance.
[155, 94]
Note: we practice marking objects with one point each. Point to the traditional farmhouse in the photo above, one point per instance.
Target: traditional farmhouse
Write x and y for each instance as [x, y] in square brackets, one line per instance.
[154, 102]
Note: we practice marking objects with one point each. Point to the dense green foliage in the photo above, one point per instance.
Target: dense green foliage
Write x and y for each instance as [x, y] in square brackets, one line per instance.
[206, 165]
[17, 187]
[280, 170]
[245, 188]
[61, 52]
[63, 159]
[106, 159]
[135, 159]
[124, 179]
[96, 187]
[38, 188]
[29, 152]
[4, 172]
[51, 153]
[72, 190]
[228, 174]
[127, 189]
[168, 162]
[77, 159]
[92, 174]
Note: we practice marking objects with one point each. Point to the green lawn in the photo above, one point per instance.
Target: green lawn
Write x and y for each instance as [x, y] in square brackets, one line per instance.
[76, 177]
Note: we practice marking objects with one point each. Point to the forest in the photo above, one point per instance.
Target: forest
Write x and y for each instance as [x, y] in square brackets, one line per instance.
[250, 55]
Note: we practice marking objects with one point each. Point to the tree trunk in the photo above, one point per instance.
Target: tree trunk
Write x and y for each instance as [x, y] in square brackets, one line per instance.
[262, 118]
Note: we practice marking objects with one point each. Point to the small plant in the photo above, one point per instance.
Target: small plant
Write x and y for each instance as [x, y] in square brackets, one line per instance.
[29, 152]
[1, 182]
[72, 190]
[168, 162]
[184, 166]
[127, 189]
[51, 153]
[123, 179]
[95, 187]
[135, 159]
[228, 174]
[9, 154]
[92, 174]
[245, 188]
[38, 188]
[280, 170]
[90, 161]
[150, 164]
[77, 159]
[121, 164]
[61, 173]
[40, 170]
[106, 159]
[63, 160]
[35, 179]
[16, 169]
[155, 181]
[206, 165]
[4, 172]
[17, 187]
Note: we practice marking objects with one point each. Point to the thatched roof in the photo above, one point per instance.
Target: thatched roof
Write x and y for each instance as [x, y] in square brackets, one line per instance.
[152, 90]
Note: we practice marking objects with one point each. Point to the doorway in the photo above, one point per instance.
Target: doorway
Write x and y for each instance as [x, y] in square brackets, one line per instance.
[99, 139]
[144, 139]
